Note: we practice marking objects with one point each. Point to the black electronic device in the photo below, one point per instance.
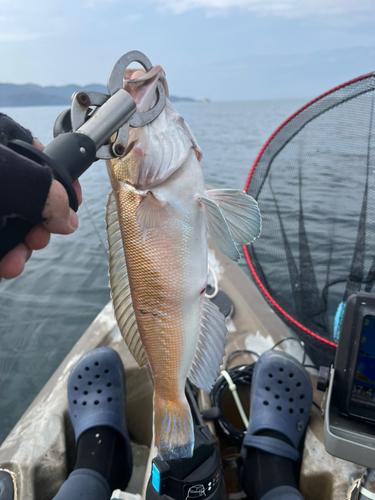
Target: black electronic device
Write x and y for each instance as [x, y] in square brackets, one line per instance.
[349, 417]
[198, 477]
[354, 384]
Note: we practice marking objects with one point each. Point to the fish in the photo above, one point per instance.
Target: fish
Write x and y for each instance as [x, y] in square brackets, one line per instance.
[157, 218]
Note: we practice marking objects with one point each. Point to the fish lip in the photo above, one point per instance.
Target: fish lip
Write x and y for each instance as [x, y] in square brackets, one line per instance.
[156, 73]
[130, 148]
[142, 80]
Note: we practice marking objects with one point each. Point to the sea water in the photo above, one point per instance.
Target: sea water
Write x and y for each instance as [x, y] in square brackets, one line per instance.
[46, 310]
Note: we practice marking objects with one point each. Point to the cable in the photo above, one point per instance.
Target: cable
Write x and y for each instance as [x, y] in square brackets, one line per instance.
[302, 344]
[236, 353]
[216, 284]
[238, 375]
[311, 366]
[317, 406]
[241, 375]
[233, 388]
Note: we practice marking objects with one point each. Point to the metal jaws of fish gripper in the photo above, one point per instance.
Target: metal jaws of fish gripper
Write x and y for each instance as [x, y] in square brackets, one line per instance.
[114, 112]
[82, 135]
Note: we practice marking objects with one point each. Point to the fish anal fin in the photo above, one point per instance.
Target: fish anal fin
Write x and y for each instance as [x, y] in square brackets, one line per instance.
[241, 213]
[210, 347]
[119, 283]
[218, 228]
[151, 212]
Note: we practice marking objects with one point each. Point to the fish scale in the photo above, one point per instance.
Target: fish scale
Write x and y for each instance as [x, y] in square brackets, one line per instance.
[160, 321]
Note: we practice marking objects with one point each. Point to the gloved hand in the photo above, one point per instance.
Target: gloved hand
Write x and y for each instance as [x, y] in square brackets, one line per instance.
[59, 217]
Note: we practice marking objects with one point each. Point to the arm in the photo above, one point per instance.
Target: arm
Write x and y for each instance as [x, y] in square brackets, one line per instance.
[28, 190]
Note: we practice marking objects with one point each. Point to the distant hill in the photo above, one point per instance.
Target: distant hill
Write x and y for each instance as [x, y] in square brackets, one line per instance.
[35, 95]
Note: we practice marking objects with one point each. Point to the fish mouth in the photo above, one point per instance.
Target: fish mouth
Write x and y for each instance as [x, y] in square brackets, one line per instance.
[142, 85]
[130, 147]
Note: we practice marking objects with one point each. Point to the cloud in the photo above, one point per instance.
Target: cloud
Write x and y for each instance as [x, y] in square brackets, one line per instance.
[93, 3]
[19, 36]
[344, 56]
[132, 18]
[11, 30]
[281, 8]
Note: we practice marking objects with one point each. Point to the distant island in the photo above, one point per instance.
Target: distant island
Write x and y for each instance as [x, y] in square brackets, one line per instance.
[34, 95]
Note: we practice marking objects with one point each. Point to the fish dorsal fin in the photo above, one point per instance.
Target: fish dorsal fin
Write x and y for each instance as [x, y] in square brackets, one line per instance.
[119, 284]
[218, 228]
[241, 213]
[210, 347]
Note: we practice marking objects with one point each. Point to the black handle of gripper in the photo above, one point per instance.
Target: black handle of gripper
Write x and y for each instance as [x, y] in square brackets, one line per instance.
[68, 156]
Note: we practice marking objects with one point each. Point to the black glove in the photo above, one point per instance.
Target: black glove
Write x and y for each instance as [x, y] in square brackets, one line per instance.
[24, 187]
[9, 129]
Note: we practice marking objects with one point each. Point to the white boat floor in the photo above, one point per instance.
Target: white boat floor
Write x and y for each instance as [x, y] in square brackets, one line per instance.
[40, 451]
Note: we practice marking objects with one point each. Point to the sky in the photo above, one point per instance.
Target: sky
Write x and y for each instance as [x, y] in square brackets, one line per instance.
[218, 49]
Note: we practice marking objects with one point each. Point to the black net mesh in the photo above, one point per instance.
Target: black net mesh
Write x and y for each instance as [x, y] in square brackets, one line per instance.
[315, 185]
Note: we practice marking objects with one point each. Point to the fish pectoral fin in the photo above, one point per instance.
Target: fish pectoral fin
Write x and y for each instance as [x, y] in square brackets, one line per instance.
[218, 228]
[151, 212]
[210, 347]
[241, 213]
[119, 284]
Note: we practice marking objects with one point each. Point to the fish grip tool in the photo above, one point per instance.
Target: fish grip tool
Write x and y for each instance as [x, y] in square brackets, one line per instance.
[81, 136]
[198, 477]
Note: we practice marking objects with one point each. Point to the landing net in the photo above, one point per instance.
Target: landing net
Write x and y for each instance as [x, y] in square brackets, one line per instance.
[314, 180]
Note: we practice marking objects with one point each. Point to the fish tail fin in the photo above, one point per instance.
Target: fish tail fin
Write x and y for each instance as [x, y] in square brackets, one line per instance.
[173, 428]
[233, 218]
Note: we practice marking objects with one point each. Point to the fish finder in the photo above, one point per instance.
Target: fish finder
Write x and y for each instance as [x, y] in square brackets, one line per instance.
[354, 385]
[349, 426]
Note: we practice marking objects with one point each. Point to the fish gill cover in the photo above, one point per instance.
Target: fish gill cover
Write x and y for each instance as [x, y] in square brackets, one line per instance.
[315, 185]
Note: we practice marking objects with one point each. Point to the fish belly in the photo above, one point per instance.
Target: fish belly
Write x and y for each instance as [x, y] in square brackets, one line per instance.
[167, 274]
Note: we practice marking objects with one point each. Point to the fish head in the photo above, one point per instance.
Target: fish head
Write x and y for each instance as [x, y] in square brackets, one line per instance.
[157, 149]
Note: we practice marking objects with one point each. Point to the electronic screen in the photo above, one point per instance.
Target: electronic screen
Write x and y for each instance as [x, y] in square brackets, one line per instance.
[363, 389]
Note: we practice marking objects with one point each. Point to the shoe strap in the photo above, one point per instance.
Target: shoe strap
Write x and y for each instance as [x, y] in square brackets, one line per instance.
[272, 445]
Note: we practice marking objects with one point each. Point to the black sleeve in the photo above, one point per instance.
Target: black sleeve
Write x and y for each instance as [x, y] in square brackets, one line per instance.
[24, 185]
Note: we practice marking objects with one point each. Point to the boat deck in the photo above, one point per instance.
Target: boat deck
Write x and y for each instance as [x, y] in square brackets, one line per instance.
[40, 453]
